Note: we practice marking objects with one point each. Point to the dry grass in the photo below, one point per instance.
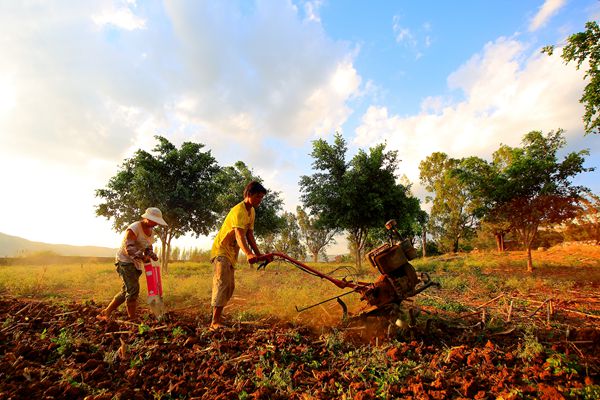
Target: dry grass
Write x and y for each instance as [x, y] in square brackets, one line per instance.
[465, 278]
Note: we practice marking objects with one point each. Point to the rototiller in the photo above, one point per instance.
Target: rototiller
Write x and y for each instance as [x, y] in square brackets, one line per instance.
[398, 280]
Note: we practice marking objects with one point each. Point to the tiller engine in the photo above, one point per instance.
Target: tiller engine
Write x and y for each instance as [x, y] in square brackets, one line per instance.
[398, 280]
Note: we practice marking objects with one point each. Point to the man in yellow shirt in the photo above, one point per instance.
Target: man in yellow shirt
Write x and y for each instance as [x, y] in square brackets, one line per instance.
[236, 232]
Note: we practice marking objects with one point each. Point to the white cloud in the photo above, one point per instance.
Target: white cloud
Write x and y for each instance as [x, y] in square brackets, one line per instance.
[85, 81]
[120, 17]
[212, 70]
[402, 33]
[546, 11]
[507, 92]
[311, 9]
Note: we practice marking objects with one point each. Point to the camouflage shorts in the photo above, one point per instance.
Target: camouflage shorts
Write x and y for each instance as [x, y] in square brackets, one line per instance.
[131, 281]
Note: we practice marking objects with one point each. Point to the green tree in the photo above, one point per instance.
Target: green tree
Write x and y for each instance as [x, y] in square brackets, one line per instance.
[181, 182]
[581, 47]
[315, 237]
[359, 195]
[452, 215]
[527, 187]
[233, 180]
[586, 224]
[287, 239]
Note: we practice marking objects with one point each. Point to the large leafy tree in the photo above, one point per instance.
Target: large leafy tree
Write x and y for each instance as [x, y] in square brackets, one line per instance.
[359, 195]
[287, 239]
[527, 187]
[452, 216]
[181, 182]
[233, 180]
[315, 237]
[581, 47]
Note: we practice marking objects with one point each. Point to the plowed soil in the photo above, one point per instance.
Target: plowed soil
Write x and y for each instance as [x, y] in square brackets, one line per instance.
[50, 350]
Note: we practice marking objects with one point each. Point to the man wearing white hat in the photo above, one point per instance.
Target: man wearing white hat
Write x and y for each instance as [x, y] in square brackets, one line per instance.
[136, 248]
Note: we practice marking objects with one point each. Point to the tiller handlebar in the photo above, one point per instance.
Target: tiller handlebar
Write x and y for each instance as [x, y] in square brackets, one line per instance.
[398, 280]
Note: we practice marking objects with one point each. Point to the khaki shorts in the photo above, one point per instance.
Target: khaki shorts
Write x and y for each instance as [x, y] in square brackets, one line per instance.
[223, 282]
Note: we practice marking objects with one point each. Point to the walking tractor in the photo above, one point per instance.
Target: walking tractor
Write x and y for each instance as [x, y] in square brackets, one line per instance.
[398, 280]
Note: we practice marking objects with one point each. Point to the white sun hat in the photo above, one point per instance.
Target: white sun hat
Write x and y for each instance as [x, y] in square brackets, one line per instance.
[154, 214]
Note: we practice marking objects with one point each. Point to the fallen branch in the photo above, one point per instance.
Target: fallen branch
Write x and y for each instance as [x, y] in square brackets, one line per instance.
[66, 313]
[580, 313]
[540, 306]
[491, 301]
[23, 309]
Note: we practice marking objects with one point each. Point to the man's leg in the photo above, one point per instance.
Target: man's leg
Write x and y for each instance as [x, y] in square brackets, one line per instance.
[131, 279]
[217, 319]
[222, 289]
[114, 304]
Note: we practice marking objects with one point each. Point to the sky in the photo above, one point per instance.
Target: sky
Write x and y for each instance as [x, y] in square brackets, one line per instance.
[85, 84]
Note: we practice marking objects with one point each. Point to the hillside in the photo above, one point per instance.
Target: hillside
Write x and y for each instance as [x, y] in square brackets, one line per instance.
[11, 246]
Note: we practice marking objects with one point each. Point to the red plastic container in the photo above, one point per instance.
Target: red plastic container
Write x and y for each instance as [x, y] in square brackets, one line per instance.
[153, 279]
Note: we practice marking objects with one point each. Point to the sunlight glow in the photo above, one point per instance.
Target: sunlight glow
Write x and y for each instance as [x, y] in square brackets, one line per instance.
[8, 95]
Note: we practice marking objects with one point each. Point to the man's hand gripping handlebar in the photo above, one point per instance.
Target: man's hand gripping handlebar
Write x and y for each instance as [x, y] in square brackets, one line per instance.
[264, 259]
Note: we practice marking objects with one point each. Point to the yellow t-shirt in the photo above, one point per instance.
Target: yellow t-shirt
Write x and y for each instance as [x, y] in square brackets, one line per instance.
[225, 243]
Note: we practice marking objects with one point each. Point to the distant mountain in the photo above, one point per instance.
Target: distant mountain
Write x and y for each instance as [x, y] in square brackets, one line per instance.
[12, 246]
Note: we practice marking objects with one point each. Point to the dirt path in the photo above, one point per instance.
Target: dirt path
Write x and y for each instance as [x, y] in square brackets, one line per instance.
[49, 350]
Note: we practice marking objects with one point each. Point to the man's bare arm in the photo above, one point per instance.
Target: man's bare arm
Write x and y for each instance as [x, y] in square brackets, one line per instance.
[240, 237]
[252, 241]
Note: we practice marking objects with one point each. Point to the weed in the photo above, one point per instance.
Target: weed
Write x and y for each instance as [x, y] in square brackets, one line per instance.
[560, 364]
[273, 375]
[43, 334]
[7, 322]
[334, 341]
[143, 329]
[246, 315]
[135, 362]
[178, 331]
[530, 347]
[589, 392]
[65, 341]
[110, 357]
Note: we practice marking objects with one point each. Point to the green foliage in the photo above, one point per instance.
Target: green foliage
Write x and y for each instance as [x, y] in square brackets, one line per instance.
[181, 182]
[526, 187]
[452, 215]
[232, 180]
[65, 342]
[530, 347]
[585, 46]
[287, 239]
[358, 195]
[143, 329]
[589, 392]
[561, 364]
[315, 236]
[178, 331]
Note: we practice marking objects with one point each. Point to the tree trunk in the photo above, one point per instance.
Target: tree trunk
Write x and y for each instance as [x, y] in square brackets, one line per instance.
[358, 258]
[424, 242]
[315, 257]
[529, 261]
[455, 246]
[499, 242]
